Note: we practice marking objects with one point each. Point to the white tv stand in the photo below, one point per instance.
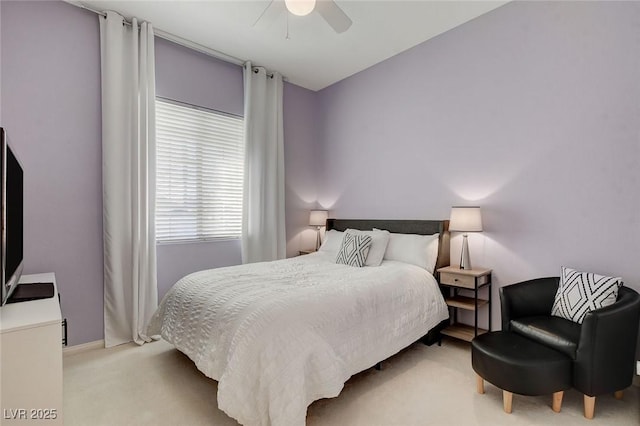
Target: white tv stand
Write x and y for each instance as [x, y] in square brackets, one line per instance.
[31, 359]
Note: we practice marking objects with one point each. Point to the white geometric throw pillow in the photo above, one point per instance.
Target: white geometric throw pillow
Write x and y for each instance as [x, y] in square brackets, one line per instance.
[583, 292]
[354, 249]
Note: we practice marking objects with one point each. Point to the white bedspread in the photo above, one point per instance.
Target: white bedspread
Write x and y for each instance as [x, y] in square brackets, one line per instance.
[279, 335]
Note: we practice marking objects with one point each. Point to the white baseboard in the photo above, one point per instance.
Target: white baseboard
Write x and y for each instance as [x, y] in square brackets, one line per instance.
[76, 349]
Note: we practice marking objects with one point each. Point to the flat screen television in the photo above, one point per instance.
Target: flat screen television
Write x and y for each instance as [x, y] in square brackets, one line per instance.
[11, 246]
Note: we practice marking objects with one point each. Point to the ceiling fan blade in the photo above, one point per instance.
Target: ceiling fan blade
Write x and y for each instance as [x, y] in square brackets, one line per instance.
[334, 16]
[269, 14]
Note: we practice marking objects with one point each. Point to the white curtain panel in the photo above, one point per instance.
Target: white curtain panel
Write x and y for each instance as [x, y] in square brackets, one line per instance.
[263, 231]
[128, 178]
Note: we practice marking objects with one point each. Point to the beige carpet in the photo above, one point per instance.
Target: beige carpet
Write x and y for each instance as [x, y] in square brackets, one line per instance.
[157, 385]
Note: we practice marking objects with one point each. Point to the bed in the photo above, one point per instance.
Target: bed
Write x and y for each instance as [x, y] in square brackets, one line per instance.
[279, 335]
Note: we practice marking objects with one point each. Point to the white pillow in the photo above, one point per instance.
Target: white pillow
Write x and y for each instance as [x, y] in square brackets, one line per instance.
[419, 250]
[380, 239]
[332, 241]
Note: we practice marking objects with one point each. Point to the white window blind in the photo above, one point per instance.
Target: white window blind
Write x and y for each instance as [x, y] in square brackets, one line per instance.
[200, 167]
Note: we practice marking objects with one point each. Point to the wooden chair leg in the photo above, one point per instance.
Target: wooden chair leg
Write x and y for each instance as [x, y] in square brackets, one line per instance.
[557, 401]
[479, 384]
[507, 401]
[618, 394]
[589, 406]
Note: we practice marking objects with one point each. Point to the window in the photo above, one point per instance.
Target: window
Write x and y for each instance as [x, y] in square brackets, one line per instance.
[200, 167]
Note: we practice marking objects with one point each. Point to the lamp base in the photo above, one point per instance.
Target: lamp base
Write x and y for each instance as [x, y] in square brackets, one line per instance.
[465, 261]
[318, 239]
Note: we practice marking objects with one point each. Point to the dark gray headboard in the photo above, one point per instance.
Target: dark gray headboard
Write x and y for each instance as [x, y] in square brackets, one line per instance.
[421, 227]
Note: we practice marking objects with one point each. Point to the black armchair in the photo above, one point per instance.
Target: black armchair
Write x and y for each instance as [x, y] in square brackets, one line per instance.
[602, 348]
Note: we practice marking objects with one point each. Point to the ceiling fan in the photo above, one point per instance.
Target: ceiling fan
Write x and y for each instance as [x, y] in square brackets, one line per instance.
[328, 9]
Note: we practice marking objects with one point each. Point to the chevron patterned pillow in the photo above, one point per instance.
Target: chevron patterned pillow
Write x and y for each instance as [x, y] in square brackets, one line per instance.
[582, 292]
[354, 249]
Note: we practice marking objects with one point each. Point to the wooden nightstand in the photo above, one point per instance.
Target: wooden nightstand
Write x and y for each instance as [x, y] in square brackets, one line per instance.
[306, 251]
[456, 279]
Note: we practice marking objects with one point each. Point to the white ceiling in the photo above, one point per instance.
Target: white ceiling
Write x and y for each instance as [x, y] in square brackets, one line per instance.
[313, 56]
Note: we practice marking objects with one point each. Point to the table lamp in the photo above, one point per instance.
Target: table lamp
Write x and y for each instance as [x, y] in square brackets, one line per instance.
[465, 219]
[318, 218]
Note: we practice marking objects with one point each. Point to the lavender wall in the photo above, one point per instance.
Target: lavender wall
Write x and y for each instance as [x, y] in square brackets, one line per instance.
[51, 109]
[188, 76]
[530, 111]
[301, 151]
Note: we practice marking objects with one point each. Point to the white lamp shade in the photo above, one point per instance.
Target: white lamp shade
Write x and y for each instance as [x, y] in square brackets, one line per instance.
[318, 217]
[465, 219]
[300, 7]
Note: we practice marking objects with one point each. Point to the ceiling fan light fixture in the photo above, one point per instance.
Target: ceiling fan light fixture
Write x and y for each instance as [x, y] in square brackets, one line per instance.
[300, 7]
